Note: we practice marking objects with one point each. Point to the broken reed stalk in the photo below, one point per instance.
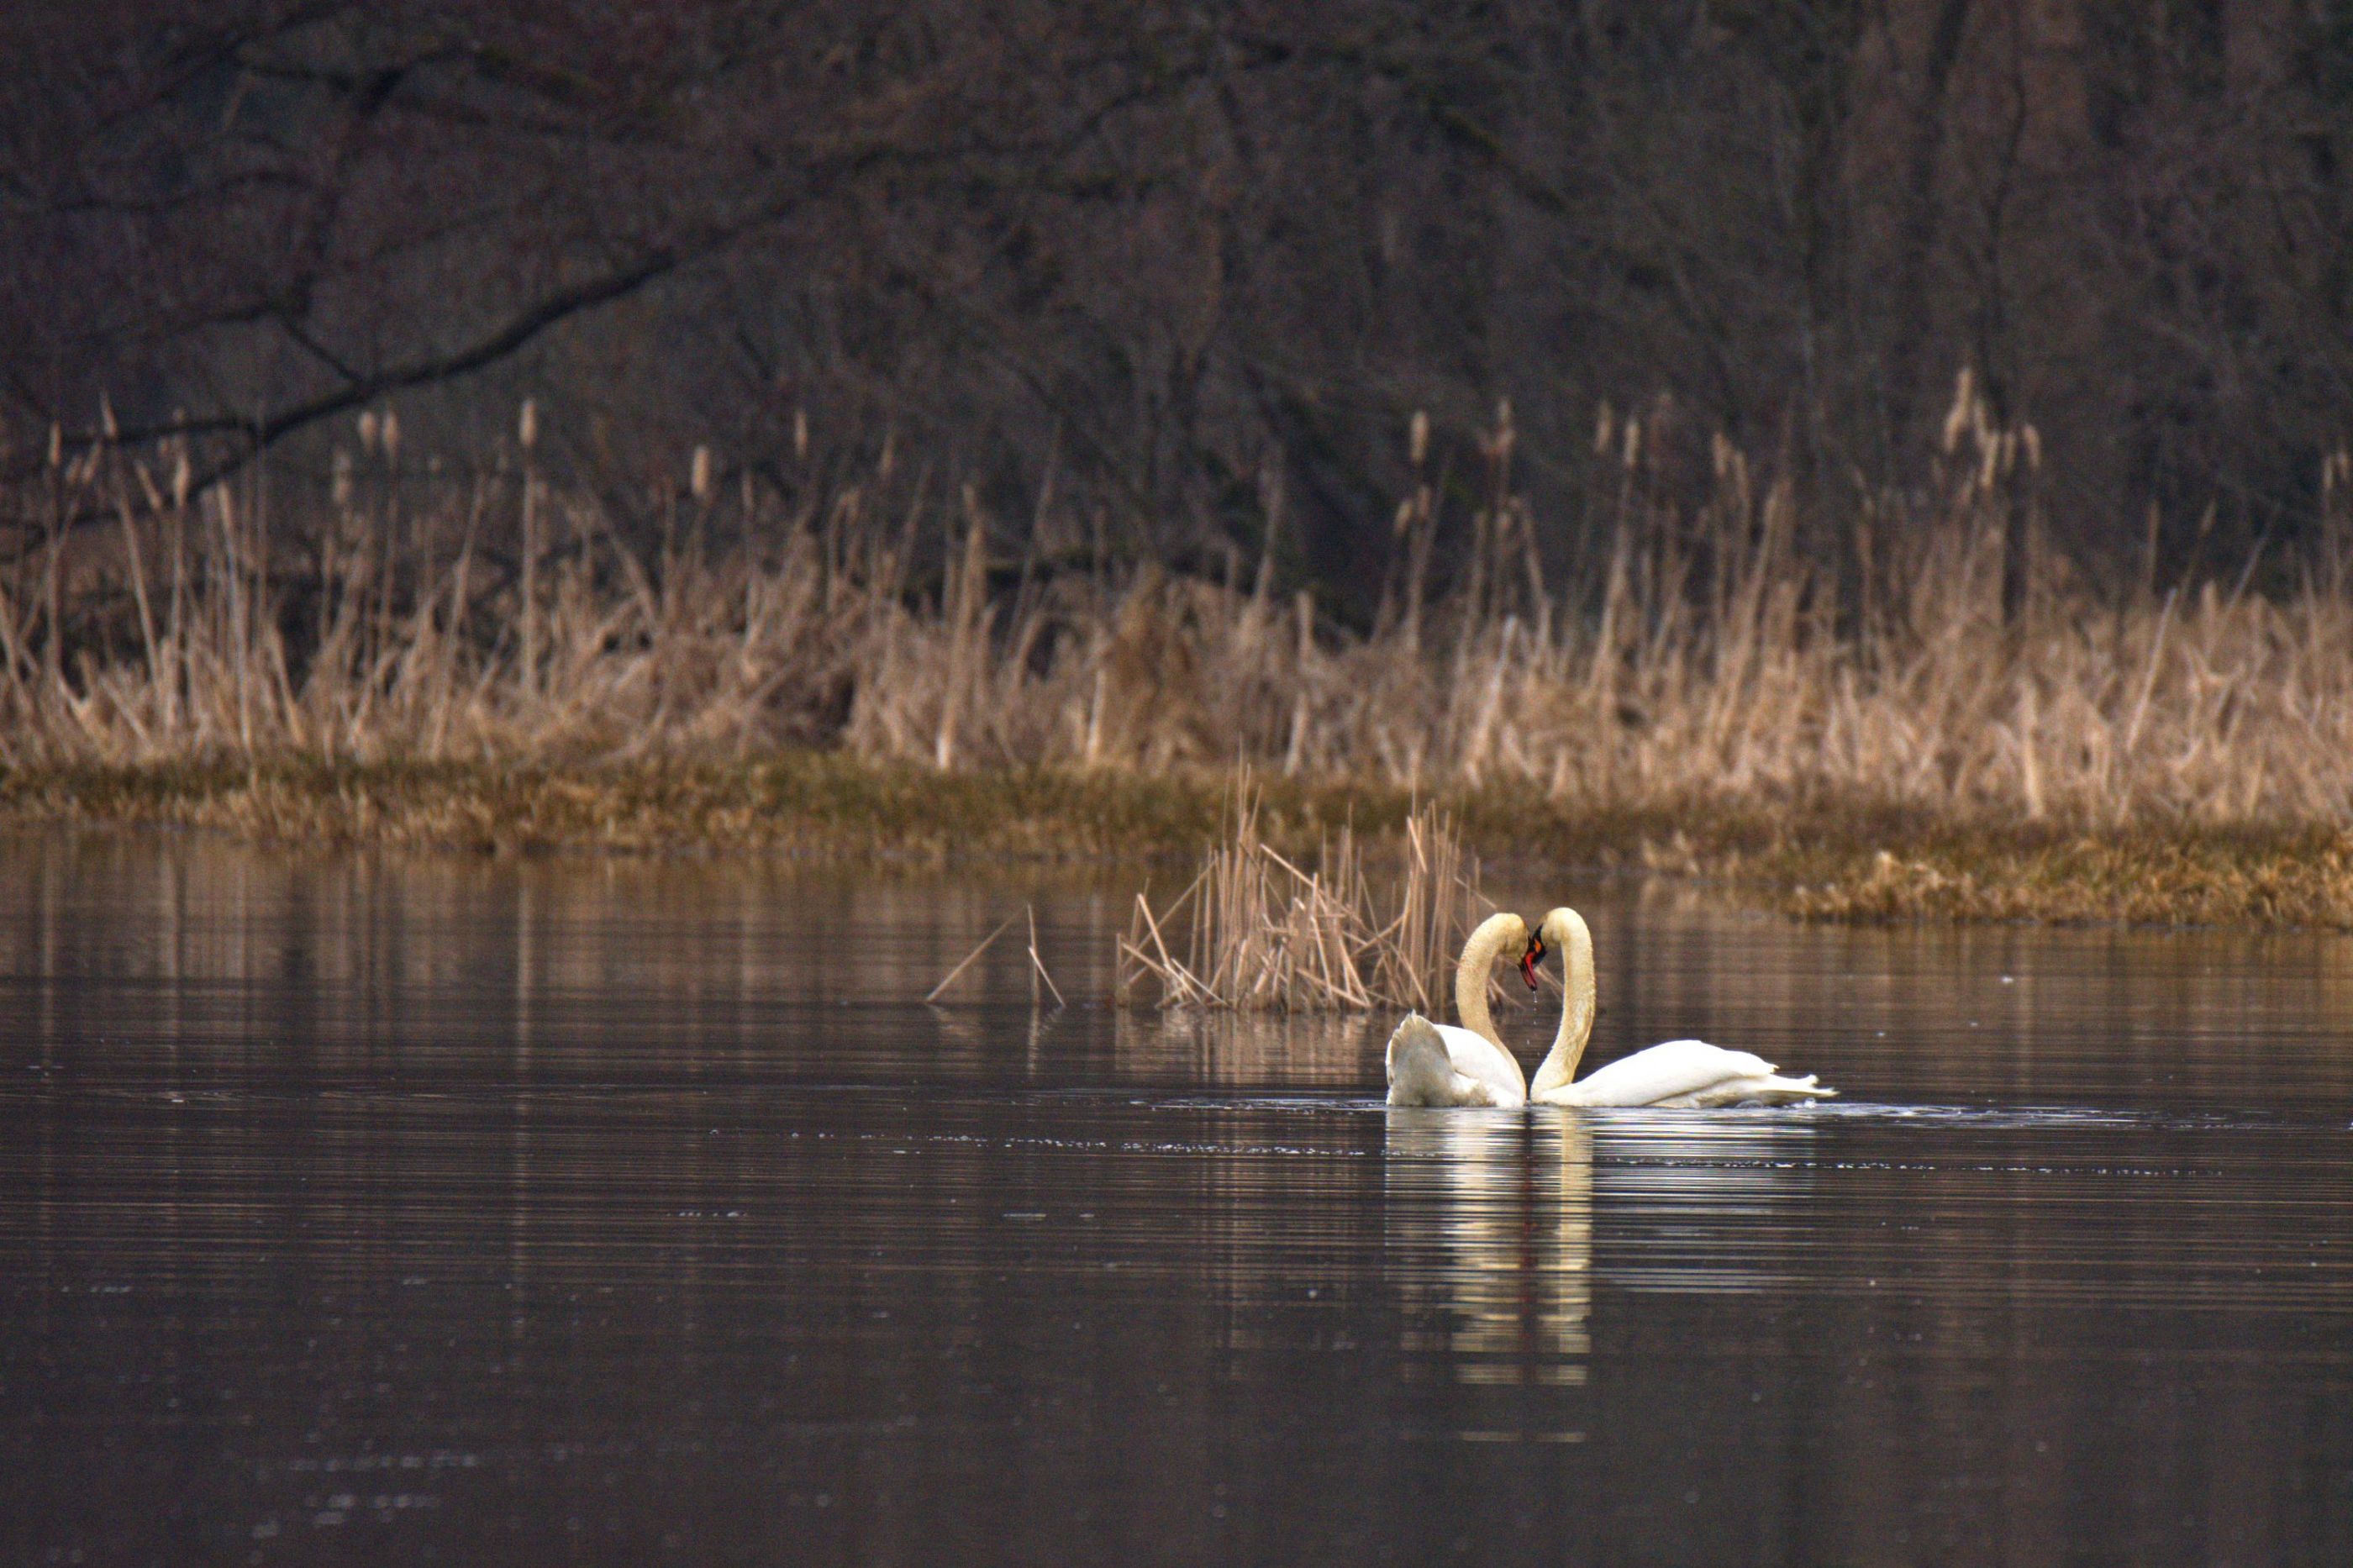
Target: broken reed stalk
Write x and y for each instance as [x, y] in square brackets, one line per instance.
[950, 978]
[1038, 965]
[1270, 935]
[1038, 970]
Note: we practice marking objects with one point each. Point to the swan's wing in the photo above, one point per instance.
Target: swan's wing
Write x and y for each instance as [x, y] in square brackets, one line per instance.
[1481, 1059]
[1678, 1071]
[1429, 1064]
[1422, 1072]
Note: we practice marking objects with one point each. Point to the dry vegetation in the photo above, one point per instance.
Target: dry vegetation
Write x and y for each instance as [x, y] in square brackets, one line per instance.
[1259, 934]
[489, 660]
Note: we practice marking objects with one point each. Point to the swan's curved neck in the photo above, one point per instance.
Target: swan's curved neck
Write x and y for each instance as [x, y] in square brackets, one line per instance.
[1472, 975]
[1577, 1003]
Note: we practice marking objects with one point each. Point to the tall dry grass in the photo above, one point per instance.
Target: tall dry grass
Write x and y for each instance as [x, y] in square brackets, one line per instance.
[1703, 655]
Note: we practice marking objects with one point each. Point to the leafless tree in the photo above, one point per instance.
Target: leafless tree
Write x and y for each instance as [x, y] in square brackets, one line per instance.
[1163, 251]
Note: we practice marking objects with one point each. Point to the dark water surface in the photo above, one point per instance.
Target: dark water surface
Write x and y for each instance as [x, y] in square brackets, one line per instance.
[435, 1209]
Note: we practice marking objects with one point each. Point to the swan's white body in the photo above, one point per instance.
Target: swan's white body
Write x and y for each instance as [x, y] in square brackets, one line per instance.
[1679, 1073]
[1445, 1064]
[1438, 1064]
[1688, 1073]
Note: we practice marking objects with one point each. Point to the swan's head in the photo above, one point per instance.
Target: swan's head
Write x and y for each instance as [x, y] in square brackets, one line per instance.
[1559, 928]
[1501, 932]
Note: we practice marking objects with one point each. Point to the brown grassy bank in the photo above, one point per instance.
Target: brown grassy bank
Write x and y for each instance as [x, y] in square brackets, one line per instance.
[854, 661]
[1853, 862]
[815, 804]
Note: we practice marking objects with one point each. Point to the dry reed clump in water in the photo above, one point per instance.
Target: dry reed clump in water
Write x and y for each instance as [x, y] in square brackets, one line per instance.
[1258, 933]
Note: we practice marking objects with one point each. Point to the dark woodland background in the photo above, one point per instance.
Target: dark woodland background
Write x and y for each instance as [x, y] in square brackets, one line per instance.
[1171, 266]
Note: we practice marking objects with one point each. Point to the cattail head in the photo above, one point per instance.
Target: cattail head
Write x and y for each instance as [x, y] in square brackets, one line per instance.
[1956, 418]
[182, 476]
[800, 435]
[106, 420]
[343, 481]
[1633, 453]
[1404, 516]
[889, 458]
[698, 479]
[57, 444]
[1506, 433]
[1416, 438]
[2031, 439]
[390, 430]
[1605, 429]
[368, 431]
[527, 423]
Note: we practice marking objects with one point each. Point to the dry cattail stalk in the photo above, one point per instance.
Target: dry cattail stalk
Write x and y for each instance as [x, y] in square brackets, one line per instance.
[1958, 417]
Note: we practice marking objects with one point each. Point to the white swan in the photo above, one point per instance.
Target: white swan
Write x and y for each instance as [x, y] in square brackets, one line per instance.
[1678, 1073]
[1445, 1064]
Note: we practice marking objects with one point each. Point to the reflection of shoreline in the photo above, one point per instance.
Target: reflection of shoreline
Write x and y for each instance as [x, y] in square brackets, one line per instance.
[1229, 1049]
[1698, 1203]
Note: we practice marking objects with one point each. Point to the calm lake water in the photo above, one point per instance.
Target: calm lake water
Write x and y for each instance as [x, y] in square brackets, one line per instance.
[416, 1209]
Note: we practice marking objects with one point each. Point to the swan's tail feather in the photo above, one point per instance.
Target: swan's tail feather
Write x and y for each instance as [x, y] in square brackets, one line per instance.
[1422, 1072]
[1776, 1091]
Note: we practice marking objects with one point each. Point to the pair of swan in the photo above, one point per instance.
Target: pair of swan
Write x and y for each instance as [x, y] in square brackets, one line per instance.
[1445, 1064]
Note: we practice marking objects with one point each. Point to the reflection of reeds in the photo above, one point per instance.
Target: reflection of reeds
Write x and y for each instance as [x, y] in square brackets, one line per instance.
[1716, 652]
[1261, 933]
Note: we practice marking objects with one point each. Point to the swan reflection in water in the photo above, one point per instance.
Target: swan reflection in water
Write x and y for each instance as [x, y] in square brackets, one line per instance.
[1490, 1239]
[1490, 1225]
